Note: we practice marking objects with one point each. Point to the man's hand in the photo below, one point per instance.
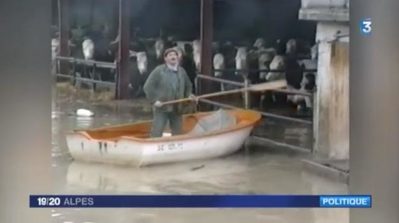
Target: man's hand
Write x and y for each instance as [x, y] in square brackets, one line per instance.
[194, 98]
[158, 104]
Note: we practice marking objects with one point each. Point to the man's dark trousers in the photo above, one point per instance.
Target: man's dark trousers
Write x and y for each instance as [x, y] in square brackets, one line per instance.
[160, 120]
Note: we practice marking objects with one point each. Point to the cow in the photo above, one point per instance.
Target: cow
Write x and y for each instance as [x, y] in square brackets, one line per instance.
[55, 51]
[196, 45]
[142, 62]
[298, 47]
[138, 71]
[283, 67]
[308, 85]
[55, 48]
[237, 62]
[95, 46]
[181, 45]
[159, 48]
[218, 64]
[241, 60]
[265, 57]
[277, 63]
[170, 42]
[135, 78]
[197, 53]
[280, 47]
[187, 62]
[161, 45]
[291, 47]
[297, 79]
[257, 63]
[308, 64]
[244, 62]
[224, 60]
[88, 49]
[259, 43]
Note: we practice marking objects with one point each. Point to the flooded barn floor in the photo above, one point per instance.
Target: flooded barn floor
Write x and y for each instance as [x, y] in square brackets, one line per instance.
[257, 170]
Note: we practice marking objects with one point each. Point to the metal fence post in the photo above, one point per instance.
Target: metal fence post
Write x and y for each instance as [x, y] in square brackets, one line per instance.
[247, 101]
[74, 73]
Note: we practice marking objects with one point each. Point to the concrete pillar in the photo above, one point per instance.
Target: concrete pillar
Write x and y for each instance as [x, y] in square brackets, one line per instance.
[320, 119]
[331, 115]
[339, 102]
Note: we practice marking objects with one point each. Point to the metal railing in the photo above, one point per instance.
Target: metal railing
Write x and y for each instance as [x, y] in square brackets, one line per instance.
[86, 63]
[292, 91]
[98, 64]
[87, 80]
[257, 70]
[265, 114]
[220, 80]
[246, 84]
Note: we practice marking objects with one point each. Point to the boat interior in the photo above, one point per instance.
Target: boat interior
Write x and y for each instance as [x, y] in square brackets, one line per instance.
[141, 130]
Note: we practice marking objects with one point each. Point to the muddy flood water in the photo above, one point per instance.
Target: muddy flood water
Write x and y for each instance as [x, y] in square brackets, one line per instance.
[256, 170]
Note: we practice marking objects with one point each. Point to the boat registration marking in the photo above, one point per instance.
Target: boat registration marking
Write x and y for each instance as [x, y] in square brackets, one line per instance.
[170, 147]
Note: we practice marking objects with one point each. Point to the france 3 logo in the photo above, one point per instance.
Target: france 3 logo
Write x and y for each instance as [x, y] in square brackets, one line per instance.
[365, 26]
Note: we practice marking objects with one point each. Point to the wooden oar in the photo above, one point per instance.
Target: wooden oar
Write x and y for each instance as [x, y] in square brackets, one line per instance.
[256, 87]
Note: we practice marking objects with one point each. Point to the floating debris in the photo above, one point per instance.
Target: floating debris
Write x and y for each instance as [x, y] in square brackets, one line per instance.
[84, 112]
[197, 168]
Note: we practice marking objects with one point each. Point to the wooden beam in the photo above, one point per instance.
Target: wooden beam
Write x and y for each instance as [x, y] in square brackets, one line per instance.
[123, 55]
[256, 87]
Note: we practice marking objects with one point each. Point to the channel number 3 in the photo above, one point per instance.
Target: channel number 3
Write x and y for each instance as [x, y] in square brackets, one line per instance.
[365, 26]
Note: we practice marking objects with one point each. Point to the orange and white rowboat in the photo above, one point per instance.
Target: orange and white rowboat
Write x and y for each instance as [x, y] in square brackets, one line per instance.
[131, 144]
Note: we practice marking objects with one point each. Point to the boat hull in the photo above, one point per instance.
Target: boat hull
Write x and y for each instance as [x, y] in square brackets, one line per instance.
[130, 152]
[131, 144]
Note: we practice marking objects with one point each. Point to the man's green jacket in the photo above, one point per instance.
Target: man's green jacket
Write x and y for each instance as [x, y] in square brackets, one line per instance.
[158, 87]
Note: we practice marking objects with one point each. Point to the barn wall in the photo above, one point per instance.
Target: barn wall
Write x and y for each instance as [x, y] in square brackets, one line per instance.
[233, 19]
[325, 3]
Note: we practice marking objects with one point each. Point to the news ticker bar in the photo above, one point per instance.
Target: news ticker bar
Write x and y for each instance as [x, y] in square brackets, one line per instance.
[200, 201]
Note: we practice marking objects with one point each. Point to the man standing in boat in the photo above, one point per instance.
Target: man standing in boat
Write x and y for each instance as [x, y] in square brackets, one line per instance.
[168, 82]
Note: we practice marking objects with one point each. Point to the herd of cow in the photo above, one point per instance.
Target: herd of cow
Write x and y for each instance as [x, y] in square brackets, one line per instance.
[295, 60]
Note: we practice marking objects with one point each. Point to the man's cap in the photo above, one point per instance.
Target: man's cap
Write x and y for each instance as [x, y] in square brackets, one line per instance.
[170, 50]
